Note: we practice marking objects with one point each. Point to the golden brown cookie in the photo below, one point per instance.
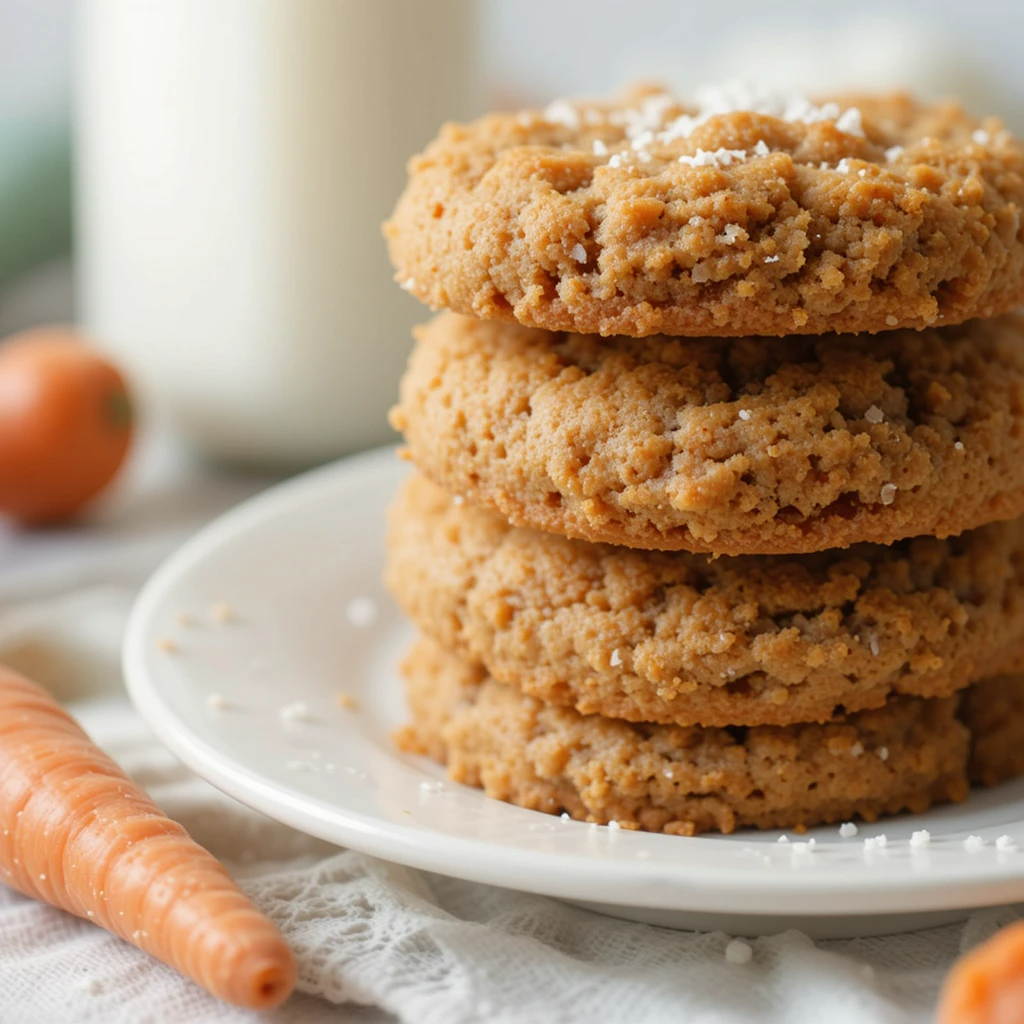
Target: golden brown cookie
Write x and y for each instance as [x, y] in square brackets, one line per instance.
[680, 638]
[995, 715]
[745, 215]
[666, 778]
[737, 446]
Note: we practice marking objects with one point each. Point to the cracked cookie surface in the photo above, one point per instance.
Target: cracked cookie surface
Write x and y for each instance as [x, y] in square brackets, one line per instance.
[744, 215]
[734, 446]
[662, 778]
[681, 638]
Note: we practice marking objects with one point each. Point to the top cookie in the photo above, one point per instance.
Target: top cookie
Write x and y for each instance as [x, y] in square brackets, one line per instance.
[744, 215]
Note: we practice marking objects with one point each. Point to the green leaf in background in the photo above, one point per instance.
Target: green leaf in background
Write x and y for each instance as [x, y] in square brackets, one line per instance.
[35, 195]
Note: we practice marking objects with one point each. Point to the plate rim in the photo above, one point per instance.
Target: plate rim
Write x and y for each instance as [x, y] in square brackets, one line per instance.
[569, 875]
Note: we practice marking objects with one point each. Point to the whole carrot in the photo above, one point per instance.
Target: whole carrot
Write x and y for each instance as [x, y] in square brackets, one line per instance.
[76, 832]
[987, 985]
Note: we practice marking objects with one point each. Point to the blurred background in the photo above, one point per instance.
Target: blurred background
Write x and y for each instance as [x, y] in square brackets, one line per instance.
[200, 183]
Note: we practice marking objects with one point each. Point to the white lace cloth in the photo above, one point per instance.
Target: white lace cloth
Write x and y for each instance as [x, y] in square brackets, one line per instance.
[377, 942]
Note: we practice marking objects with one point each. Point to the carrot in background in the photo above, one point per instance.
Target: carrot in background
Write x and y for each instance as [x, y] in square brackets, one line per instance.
[987, 985]
[76, 832]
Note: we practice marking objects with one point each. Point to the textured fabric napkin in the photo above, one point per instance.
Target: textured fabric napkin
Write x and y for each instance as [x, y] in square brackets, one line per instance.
[375, 942]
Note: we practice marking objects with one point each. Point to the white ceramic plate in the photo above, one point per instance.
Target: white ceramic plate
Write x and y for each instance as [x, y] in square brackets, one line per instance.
[290, 564]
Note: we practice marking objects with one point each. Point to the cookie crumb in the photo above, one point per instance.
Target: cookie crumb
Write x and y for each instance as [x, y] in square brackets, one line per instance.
[739, 952]
[185, 619]
[346, 701]
[920, 838]
[848, 830]
[222, 613]
[874, 414]
[166, 645]
[297, 711]
[974, 844]
[216, 702]
[361, 612]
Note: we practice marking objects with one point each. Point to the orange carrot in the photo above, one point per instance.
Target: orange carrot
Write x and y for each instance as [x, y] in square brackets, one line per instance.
[987, 985]
[76, 832]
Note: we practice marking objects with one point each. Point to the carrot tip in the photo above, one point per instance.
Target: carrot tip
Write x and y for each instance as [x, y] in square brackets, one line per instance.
[271, 985]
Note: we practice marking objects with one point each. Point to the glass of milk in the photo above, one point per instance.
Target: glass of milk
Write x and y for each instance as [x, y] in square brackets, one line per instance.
[235, 159]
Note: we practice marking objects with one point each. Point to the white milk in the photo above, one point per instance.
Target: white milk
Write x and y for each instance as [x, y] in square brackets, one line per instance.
[235, 161]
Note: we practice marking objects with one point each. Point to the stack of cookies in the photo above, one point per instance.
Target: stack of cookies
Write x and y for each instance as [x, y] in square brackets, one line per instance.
[720, 444]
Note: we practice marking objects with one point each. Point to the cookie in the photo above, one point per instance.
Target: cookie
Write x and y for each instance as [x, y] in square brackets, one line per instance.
[995, 712]
[680, 638]
[746, 215]
[736, 446]
[665, 778]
